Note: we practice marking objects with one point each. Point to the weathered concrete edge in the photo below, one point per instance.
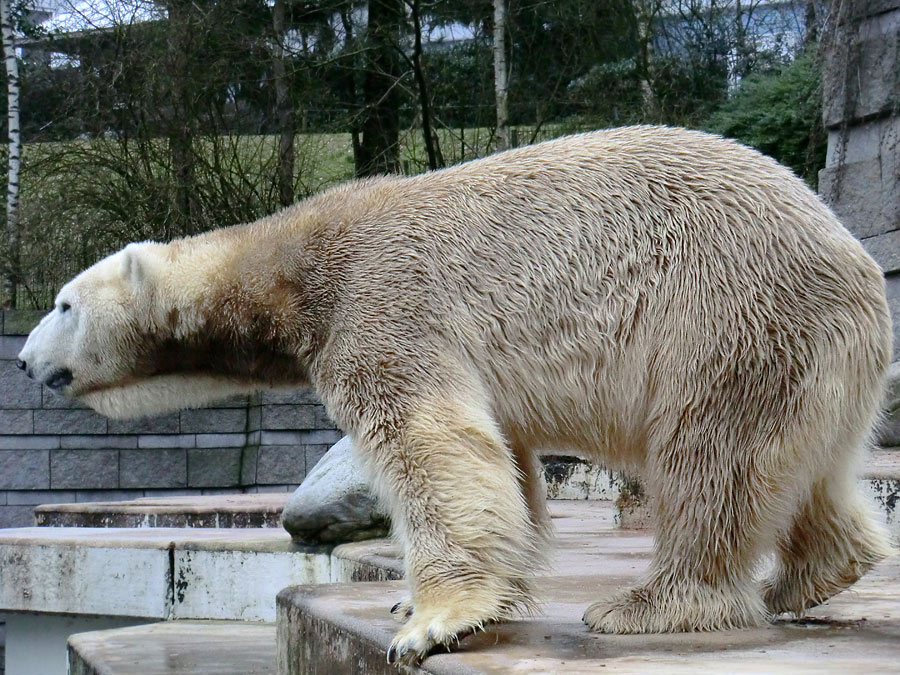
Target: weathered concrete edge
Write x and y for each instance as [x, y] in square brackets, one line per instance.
[315, 641]
[355, 562]
[80, 657]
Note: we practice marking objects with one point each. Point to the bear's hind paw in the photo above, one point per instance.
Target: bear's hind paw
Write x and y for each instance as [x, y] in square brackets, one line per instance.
[620, 616]
[650, 610]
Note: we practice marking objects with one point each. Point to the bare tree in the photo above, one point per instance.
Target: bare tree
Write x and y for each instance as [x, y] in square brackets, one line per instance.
[431, 145]
[501, 74]
[182, 119]
[15, 144]
[348, 79]
[646, 13]
[285, 111]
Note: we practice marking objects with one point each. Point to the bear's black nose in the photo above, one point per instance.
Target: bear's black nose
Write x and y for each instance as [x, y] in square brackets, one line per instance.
[21, 364]
[59, 379]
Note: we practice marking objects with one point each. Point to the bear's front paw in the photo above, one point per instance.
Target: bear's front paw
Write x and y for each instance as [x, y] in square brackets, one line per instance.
[426, 630]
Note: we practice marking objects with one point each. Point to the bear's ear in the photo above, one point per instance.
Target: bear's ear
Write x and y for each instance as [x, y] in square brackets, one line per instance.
[138, 261]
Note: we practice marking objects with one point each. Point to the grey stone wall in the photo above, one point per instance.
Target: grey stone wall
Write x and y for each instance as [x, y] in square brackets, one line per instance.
[861, 88]
[52, 450]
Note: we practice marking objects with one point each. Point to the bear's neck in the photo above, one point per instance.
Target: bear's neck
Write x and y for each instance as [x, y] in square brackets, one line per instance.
[257, 318]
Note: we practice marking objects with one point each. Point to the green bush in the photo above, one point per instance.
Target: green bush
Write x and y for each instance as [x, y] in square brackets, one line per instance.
[780, 114]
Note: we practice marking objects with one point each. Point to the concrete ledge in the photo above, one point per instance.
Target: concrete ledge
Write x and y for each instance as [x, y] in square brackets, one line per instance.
[882, 464]
[176, 648]
[225, 511]
[374, 560]
[158, 573]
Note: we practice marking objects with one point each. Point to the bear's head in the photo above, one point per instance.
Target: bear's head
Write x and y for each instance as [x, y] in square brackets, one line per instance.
[127, 338]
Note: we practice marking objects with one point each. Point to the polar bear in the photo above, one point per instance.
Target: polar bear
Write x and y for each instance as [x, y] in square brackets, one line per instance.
[663, 300]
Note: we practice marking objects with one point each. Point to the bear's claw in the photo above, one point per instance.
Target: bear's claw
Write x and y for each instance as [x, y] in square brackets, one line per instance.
[394, 653]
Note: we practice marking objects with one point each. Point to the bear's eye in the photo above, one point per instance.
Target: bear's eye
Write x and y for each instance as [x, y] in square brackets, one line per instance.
[64, 307]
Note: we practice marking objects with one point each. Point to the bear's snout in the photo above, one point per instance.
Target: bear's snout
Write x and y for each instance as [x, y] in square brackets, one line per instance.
[20, 364]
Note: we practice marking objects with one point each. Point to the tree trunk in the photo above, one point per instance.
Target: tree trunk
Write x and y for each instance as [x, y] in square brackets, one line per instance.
[811, 24]
[422, 85]
[350, 86]
[13, 236]
[644, 14]
[181, 131]
[379, 146]
[501, 74]
[285, 111]
[741, 65]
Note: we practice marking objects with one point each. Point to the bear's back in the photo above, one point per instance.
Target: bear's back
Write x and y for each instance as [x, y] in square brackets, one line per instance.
[580, 269]
[613, 220]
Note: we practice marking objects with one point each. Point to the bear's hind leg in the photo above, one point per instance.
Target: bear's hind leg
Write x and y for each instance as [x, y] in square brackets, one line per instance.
[716, 510]
[470, 545]
[832, 541]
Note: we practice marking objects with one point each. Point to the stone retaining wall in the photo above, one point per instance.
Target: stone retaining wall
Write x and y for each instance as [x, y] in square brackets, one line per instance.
[54, 451]
[861, 180]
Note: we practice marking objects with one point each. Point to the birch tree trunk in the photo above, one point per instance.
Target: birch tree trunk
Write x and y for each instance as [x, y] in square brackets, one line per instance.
[645, 12]
[286, 122]
[13, 236]
[501, 74]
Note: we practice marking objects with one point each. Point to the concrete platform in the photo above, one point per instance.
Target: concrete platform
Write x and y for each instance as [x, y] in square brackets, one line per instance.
[348, 628]
[176, 648]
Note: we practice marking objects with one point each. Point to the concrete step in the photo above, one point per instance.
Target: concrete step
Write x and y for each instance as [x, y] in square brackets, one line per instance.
[348, 628]
[176, 648]
[169, 573]
[222, 511]
[882, 464]
[55, 581]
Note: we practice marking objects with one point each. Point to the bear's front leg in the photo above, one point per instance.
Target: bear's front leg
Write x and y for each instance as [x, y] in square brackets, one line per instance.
[451, 486]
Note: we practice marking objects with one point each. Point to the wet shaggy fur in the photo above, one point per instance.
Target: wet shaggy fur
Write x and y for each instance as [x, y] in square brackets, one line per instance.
[662, 300]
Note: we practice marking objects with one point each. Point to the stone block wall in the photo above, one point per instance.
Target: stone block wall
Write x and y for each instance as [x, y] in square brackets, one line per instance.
[52, 450]
[861, 88]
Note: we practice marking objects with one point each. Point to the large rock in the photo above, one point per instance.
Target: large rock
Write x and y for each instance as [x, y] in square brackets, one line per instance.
[334, 504]
[889, 432]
